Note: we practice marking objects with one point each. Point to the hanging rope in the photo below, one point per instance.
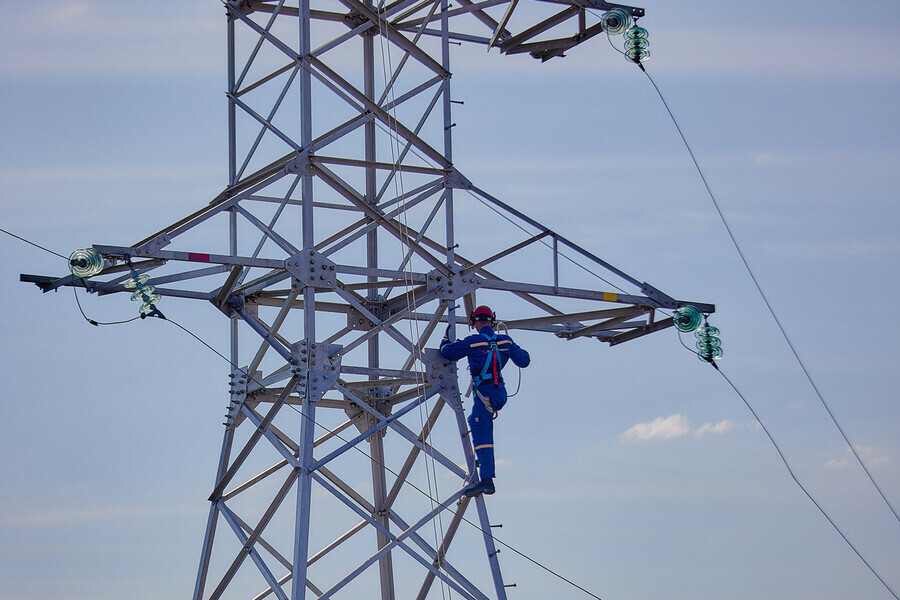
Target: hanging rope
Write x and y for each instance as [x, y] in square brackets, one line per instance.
[409, 291]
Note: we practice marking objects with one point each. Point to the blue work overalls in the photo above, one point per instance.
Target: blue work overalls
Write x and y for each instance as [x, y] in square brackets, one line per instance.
[488, 353]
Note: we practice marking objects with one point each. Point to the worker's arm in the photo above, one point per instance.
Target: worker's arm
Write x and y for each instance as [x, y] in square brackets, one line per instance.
[454, 350]
[519, 356]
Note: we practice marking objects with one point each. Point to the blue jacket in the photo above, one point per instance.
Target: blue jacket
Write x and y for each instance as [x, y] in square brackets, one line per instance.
[477, 348]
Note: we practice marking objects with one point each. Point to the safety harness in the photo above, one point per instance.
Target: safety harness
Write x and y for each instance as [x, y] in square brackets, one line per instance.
[492, 363]
[491, 370]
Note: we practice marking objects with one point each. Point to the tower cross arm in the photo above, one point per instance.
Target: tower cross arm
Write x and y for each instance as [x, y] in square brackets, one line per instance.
[634, 11]
[529, 36]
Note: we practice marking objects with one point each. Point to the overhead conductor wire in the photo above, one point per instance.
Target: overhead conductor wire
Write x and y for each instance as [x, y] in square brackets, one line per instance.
[767, 303]
[391, 471]
[34, 244]
[371, 458]
[501, 542]
[392, 136]
[74, 289]
[793, 350]
[330, 431]
[340, 437]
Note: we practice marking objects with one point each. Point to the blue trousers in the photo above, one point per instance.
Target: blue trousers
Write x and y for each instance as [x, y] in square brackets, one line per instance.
[481, 424]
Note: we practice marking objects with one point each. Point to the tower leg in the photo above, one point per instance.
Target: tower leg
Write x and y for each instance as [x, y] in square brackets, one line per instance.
[212, 521]
[379, 481]
[304, 496]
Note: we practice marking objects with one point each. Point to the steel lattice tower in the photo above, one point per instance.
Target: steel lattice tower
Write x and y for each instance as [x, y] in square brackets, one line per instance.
[339, 272]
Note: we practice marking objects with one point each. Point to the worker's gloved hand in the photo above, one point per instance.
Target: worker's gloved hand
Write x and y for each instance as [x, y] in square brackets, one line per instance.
[447, 333]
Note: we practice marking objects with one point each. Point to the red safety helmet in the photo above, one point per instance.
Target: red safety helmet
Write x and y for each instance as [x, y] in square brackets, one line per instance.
[482, 313]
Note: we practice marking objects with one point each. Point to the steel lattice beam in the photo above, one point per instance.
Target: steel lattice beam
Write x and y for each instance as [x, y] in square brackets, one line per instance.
[338, 267]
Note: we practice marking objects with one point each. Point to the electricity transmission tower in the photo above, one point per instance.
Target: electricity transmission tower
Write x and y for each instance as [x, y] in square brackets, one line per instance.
[335, 256]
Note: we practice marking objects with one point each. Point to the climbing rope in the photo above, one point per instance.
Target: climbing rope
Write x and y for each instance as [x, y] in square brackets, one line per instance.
[409, 290]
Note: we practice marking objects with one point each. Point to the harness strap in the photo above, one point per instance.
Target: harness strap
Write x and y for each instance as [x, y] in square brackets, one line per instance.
[484, 400]
[492, 363]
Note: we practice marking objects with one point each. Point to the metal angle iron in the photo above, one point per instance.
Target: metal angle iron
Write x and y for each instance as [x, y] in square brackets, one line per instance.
[343, 260]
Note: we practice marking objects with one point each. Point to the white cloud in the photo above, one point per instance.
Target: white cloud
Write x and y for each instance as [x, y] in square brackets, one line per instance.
[674, 426]
[660, 428]
[715, 428]
[869, 455]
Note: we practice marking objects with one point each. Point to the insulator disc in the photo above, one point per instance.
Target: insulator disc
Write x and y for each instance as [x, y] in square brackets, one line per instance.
[86, 263]
[709, 340]
[637, 55]
[636, 32]
[615, 21]
[148, 306]
[706, 331]
[637, 44]
[708, 345]
[144, 290]
[136, 281]
[710, 356]
[687, 318]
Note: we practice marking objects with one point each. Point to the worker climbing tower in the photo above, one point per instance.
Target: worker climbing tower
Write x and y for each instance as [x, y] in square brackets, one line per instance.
[335, 257]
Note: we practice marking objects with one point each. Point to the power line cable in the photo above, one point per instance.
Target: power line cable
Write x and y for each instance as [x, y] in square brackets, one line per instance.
[371, 458]
[796, 356]
[388, 469]
[92, 321]
[790, 470]
[506, 217]
[74, 289]
[34, 244]
[766, 299]
[800, 485]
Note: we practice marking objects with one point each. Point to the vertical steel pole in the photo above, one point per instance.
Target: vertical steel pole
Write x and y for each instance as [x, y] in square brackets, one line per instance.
[451, 244]
[371, 183]
[308, 407]
[212, 521]
[448, 149]
[379, 481]
[376, 443]
[232, 171]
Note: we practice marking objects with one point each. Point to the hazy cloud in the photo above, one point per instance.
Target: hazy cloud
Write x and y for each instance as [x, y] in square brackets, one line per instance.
[660, 428]
[869, 454]
[715, 428]
[674, 426]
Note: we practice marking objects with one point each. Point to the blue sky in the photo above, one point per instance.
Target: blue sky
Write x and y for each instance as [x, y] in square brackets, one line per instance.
[634, 471]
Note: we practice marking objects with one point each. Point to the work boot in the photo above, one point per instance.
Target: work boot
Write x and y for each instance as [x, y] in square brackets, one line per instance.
[485, 486]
